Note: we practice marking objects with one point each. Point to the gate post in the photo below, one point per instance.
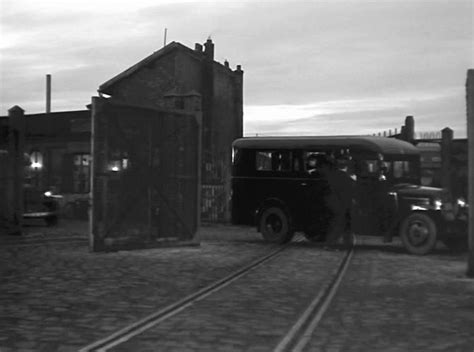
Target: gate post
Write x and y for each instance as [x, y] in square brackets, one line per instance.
[470, 153]
[446, 154]
[15, 166]
[409, 129]
[197, 235]
[98, 177]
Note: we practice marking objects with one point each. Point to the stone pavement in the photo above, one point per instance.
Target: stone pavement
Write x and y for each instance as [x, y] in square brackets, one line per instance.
[60, 297]
[392, 301]
[251, 314]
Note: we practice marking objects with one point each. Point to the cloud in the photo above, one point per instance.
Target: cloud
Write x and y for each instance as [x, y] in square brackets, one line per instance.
[379, 57]
[356, 116]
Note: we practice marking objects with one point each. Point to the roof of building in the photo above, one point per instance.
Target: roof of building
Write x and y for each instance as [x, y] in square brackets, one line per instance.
[157, 54]
[369, 143]
[199, 55]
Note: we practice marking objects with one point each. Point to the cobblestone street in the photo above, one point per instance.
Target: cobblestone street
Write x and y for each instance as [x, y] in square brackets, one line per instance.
[58, 296]
[253, 313]
[393, 301]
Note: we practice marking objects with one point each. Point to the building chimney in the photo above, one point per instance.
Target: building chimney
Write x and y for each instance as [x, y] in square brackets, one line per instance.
[198, 47]
[48, 93]
[226, 63]
[209, 49]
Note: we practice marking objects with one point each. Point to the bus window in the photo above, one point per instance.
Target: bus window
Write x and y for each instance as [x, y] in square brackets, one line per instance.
[402, 169]
[273, 161]
[263, 161]
[368, 167]
[311, 157]
[386, 167]
[296, 164]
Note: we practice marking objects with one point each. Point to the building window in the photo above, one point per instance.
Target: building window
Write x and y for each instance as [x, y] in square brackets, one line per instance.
[34, 170]
[81, 173]
[36, 159]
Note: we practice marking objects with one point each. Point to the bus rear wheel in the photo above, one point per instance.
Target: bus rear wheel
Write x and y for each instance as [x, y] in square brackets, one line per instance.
[275, 226]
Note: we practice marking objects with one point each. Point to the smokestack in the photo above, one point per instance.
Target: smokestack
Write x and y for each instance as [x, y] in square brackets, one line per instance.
[48, 93]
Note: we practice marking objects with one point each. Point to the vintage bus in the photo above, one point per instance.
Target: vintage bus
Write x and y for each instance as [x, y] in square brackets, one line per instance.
[273, 189]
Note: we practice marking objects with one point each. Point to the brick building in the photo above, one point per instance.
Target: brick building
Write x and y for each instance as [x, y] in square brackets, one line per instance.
[57, 148]
[176, 71]
[59, 143]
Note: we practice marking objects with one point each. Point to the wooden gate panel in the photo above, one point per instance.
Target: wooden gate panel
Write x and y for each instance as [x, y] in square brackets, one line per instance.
[145, 176]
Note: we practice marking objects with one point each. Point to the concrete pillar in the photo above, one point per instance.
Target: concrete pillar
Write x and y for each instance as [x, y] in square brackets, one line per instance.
[410, 129]
[15, 172]
[470, 137]
[446, 154]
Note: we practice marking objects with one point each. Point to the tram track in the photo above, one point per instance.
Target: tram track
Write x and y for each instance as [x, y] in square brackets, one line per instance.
[175, 308]
[295, 338]
[299, 335]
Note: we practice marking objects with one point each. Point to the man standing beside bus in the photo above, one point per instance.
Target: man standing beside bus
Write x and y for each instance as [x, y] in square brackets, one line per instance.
[338, 199]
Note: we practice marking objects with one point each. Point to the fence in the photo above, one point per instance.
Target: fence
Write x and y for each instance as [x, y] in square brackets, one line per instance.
[444, 160]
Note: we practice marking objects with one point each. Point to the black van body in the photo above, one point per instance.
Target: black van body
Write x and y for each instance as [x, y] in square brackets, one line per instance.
[272, 189]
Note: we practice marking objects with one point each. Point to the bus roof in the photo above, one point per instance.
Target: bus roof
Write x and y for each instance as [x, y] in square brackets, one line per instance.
[382, 145]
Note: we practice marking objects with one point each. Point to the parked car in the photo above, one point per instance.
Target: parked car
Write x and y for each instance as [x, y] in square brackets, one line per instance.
[40, 205]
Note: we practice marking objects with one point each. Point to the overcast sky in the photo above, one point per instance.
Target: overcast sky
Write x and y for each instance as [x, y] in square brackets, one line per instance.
[311, 67]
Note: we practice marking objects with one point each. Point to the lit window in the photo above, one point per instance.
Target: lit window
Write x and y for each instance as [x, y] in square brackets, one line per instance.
[36, 159]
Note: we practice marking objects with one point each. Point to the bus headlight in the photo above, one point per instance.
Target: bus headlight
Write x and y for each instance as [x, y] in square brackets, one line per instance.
[461, 202]
[438, 204]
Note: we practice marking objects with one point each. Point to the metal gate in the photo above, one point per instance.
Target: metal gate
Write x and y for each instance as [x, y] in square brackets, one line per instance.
[145, 176]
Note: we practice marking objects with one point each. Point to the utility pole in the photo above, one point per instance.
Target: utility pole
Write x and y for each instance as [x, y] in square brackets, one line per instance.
[48, 93]
[470, 158]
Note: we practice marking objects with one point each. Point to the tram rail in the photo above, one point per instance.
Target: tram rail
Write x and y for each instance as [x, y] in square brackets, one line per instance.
[297, 337]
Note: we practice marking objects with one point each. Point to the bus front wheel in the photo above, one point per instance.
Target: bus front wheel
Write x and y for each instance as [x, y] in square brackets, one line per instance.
[418, 233]
[275, 225]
